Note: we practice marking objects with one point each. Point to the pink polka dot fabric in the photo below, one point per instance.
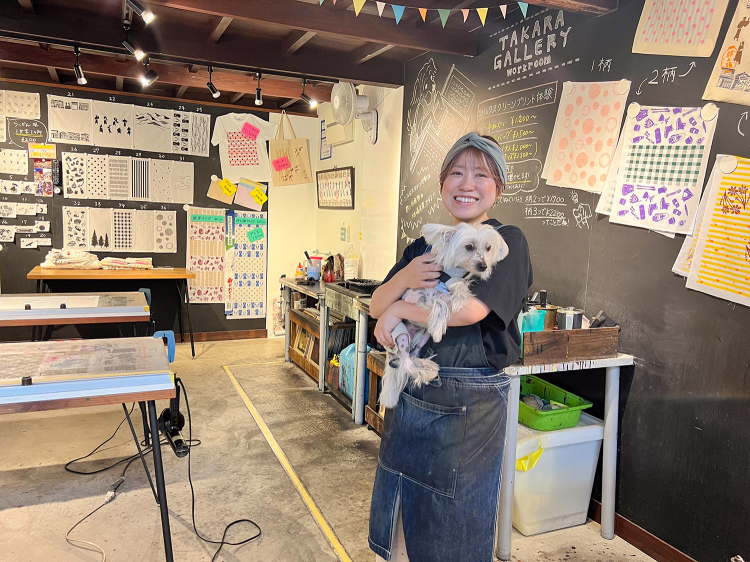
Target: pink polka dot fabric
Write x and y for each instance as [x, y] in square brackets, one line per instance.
[683, 28]
[585, 135]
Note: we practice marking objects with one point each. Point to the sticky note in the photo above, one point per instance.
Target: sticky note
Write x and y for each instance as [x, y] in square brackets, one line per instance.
[250, 131]
[255, 234]
[259, 196]
[281, 164]
[228, 187]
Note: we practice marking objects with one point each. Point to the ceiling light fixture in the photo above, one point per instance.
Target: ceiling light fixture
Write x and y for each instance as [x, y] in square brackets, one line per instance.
[137, 53]
[149, 77]
[211, 88]
[80, 78]
[147, 15]
[258, 93]
[304, 97]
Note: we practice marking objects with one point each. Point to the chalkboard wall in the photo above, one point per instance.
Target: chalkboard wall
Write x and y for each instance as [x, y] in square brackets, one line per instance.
[15, 262]
[683, 463]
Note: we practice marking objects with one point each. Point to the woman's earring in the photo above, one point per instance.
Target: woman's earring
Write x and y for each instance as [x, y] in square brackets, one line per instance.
[496, 203]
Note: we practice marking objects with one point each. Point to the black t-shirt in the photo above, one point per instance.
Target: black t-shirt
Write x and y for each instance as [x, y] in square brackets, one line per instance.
[503, 292]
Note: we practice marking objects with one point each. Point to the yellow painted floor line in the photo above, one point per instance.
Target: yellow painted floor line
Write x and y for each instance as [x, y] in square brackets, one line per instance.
[276, 448]
[258, 363]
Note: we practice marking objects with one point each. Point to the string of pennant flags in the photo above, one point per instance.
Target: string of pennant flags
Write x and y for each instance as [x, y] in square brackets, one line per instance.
[444, 13]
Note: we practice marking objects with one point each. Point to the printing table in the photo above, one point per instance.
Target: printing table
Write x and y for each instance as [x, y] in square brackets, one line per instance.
[39, 376]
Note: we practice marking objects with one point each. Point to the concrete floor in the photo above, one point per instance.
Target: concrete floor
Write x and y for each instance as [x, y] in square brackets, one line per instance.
[235, 474]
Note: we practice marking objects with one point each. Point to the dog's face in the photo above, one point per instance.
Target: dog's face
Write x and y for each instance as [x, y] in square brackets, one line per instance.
[475, 248]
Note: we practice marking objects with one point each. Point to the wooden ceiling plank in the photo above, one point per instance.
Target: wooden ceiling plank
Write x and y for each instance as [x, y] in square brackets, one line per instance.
[119, 81]
[370, 51]
[289, 102]
[181, 91]
[296, 39]
[236, 97]
[218, 29]
[53, 74]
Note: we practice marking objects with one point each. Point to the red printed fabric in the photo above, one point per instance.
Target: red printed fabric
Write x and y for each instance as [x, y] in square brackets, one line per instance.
[243, 151]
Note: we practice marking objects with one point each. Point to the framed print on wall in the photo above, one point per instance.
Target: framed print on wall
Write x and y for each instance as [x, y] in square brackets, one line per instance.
[336, 188]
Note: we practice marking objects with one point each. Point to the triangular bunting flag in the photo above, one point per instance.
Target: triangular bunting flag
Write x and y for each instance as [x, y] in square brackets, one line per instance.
[504, 9]
[482, 14]
[524, 8]
[334, 2]
[423, 11]
[398, 11]
[444, 14]
[380, 5]
[464, 12]
[320, 2]
[358, 6]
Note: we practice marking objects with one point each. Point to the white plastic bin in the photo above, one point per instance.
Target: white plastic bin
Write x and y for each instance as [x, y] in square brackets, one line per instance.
[556, 492]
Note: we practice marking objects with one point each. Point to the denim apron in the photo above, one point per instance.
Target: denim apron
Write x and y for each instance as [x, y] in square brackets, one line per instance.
[441, 457]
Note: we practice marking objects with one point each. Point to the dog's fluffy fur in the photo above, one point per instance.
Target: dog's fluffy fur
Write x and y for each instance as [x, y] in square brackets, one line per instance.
[473, 248]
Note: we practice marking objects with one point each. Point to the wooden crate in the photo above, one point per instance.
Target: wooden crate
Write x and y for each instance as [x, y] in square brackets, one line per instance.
[558, 346]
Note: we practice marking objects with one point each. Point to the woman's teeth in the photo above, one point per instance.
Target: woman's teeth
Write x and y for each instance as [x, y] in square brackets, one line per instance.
[465, 199]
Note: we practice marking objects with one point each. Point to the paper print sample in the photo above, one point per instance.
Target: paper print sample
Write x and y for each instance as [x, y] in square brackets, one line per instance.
[183, 177]
[22, 105]
[113, 124]
[123, 230]
[7, 210]
[96, 176]
[665, 153]
[721, 264]
[206, 254]
[43, 177]
[152, 129]
[181, 130]
[100, 229]
[7, 233]
[585, 134]
[165, 232]
[683, 28]
[75, 228]
[684, 260]
[160, 180]
[144, 231]
[200, 134]
[69, 120]
[119, 177]
[730, 78]
[248, 267]
[14, 162]
[74, 175]
[140, 187]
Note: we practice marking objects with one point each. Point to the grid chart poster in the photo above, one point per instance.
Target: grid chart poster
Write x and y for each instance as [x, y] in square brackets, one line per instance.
[336, 188]
[206, 254]
[247, 279]
[721, 263]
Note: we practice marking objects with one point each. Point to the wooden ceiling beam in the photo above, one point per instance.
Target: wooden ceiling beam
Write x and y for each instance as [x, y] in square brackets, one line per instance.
[27, 4]
[119, 82]
[181, 91]
[53, 74]
[288, 103]
[236, 97]
[370, 51]
[176, 75]
[218, 29]
[296, 39]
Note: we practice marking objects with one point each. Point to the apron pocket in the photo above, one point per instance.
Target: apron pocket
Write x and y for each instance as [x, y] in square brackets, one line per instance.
[424, 443]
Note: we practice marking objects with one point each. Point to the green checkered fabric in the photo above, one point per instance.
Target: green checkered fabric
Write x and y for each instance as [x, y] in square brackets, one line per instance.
[663, 164]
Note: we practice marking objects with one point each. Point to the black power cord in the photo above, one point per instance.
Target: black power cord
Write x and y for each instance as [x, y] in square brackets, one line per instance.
[191, 443]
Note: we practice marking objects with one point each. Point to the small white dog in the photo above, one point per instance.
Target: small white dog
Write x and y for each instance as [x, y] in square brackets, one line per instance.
[465, 252]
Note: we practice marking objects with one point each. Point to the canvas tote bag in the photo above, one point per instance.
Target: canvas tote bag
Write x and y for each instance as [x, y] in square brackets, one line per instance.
[297, 171]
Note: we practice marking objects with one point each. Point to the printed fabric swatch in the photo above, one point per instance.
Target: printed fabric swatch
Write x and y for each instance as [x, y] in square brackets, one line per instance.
[183, 178]
[682, 28]
[2, 124]
[160, 179]
[75, 228]
[100, 229]
[165, 232]
[74, 175]
[248, 267]
[144, 231]
[10, 186]
[96, 176]
[118, 177]
[43, 177]
[8, 210]
[113, 124]
[684, 260]
[721, 264]
[23, 105]
[730, 78]
[206, 254]
[152, 129]
[664, 159]
[181, 129]
[123, 230]
[14, 162]
[140, 188]
[69, 120]
[200, 134]
[7, 233]
[586, 130]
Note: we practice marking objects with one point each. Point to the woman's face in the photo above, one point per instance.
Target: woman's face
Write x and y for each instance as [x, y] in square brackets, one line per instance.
[468, 191]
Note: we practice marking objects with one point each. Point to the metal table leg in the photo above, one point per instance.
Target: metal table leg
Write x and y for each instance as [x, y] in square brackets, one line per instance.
[287, 322]
[505, 515]
[323, 347]
[361, 370]
[160, 488]
[179, 309]
[147, 437]
[609, 455]
[190, 322]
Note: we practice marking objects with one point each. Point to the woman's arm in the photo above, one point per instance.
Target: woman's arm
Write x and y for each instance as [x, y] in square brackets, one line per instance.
[421, 272]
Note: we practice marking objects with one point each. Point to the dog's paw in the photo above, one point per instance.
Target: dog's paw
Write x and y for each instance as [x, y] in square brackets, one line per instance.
[427, 370]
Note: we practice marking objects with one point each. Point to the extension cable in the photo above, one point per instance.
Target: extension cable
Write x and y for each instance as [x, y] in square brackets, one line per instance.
[109, 497]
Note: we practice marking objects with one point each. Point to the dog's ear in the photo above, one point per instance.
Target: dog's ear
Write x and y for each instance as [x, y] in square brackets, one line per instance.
[437, 235]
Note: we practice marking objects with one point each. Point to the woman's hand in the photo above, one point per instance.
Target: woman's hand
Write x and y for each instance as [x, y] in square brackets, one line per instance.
[386, 323]
[421, 273]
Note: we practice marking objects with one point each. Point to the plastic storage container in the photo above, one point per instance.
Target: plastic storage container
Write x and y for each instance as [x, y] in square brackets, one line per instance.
[552, 419]
[347, 366]
[555, 492]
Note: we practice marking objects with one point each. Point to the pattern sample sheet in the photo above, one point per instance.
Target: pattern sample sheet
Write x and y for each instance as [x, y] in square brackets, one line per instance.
[248, 266]
[683, 28]
[75, 228]
[14, 162]
[165, 231]
[730, 78]
[140, 188]
[144, 231]
[200, 134]
[113, 124]
[22, 105]
[69, 120]
[721, 264]
[181, 132]
[586, 129]
[74, 174]
[8, 210]
[96, 176]
[100, 227]
[183, 177]
[684, 260]
[118, 177]
[206, 254]
[665, 153]
[160, 179]
[152, 129]
[123, 230]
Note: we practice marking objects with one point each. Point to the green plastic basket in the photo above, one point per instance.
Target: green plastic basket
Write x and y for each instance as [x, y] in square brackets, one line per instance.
[552, 419]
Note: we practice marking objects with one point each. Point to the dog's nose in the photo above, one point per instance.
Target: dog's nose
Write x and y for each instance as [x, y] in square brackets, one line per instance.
[482, 266]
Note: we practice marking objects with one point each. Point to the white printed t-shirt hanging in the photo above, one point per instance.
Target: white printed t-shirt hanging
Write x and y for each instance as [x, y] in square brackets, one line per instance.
[241, 154]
